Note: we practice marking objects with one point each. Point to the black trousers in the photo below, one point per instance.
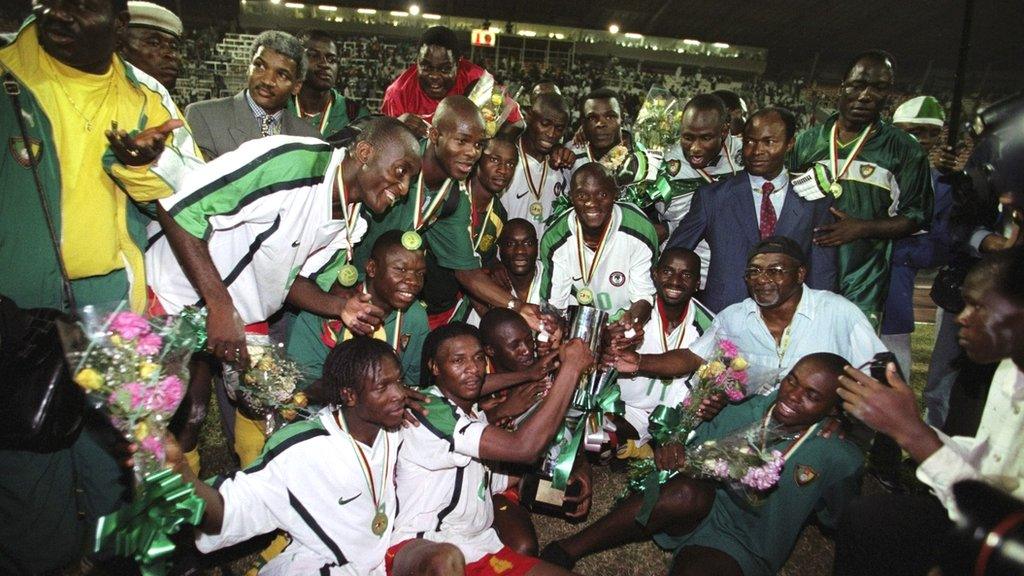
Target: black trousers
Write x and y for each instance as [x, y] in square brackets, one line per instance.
[891, 535]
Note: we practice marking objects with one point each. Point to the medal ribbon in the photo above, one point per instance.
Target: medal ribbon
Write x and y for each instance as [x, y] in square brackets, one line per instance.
[663, 332]
[323, 119]
[364, 464]
[800, 439]
[478, 234]
[833, 151]
[346, 212]
[536, 190]
[728, 158]
[419, 218]
[581, 251]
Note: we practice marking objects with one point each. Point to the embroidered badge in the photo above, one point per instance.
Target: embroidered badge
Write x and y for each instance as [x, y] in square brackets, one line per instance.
[20, 153]
[673, 167]
[499, 565]
[805, 475]
[617, 279]
[866, 170]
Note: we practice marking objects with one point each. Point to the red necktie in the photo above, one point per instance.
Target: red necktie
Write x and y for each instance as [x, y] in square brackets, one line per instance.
[768, 217]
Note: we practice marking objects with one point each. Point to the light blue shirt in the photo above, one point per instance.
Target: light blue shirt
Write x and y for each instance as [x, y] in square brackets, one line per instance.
[823, 322]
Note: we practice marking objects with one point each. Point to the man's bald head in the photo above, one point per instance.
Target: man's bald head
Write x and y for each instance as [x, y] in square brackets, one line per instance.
[382, 131]
[452, 110]
[551, 102]
[595, 171]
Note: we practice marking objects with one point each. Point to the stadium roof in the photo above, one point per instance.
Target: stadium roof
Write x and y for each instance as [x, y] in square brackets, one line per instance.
[793, 31]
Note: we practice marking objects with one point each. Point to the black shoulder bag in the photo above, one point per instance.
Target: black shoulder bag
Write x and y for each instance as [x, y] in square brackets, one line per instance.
[42, 408]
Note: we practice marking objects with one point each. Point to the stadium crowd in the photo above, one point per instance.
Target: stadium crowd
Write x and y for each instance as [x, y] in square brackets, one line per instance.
[429, 251]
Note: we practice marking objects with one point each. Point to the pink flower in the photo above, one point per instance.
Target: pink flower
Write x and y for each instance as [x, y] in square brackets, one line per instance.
[168, 396]
[129, 325]
[729, 350]
[762, 478]
[734, 394]
[149, 344]
[720, 468]
[688, 402]
[740, 376]
[153, 445]
[138, 396]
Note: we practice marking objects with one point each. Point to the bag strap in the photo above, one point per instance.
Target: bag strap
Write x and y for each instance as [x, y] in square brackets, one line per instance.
[13, 89]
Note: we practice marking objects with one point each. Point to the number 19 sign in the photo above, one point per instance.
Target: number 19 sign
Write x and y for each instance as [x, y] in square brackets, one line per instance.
[481, 37]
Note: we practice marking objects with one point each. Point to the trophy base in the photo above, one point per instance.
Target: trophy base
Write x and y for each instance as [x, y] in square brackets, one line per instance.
[537, 494]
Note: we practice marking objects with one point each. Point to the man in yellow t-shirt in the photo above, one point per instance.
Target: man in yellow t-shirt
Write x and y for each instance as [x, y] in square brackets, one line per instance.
[73, 91]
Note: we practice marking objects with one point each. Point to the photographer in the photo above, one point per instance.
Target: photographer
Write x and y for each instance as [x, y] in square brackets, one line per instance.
[896, 534]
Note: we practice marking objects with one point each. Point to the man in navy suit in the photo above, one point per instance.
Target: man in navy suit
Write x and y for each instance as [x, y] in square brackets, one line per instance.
[734, 214]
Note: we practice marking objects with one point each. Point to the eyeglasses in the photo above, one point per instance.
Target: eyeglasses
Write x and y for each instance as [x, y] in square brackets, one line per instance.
[775, 273]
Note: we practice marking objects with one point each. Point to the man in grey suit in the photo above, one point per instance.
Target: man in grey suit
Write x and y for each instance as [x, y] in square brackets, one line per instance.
[733, 215]
[277, 66]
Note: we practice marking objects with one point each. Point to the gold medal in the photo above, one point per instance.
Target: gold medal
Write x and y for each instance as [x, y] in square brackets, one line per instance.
[379, 524]
[836, 189]
[585, 296]
[537, 211]
[411, 240]
[348, 276]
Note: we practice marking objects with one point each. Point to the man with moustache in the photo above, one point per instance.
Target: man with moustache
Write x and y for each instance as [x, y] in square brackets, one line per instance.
[489, 179]
[277, 67]
[438, 206]
[318, 101]
[781, 322]
[897, 533]
[536, 185]
[877, 174]
[150, 41]
[732, 221]
[443, 483]
[677, 322]
[76, 99]
[244, 238]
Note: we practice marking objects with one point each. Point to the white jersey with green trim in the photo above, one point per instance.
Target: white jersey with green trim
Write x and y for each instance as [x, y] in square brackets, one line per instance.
[265, 211]
[443, 487]
[310, 482]
[642, 394]
[622, 274]
[519, 199]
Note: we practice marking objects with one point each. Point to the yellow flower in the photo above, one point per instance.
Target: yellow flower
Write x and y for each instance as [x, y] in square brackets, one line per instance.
[738, 364]
[147, 370]
[115, 340]
[492, 128]
[289, 414]
[715, 368]
[300, 400]
[141, 431]
[496, 99]
[89, 379]
[265, 363]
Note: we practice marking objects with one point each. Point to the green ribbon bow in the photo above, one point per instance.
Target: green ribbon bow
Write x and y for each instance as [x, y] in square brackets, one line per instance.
[142, 529]
[608, 401]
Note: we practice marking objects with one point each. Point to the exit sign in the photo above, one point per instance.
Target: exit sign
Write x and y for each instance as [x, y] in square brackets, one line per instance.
[484, 38]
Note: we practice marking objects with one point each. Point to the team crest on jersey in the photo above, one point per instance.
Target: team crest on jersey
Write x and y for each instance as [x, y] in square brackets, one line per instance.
[20, 153]
[617, 279]
[500, 565]
[559, 187]
[805, 475]
[673, 167]
[866, 170]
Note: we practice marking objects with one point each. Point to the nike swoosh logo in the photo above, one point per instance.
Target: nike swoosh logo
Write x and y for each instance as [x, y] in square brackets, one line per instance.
[294, 244]
[343, 501]
[520, 196]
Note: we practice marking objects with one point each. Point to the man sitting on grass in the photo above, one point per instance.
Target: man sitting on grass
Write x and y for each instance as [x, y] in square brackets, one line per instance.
[715, 530]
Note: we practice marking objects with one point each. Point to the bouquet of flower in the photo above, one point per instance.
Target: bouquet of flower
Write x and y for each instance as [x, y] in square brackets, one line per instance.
[725, 374]
[135, 370]
[493, 102]
[268, 389]
[655, 131]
